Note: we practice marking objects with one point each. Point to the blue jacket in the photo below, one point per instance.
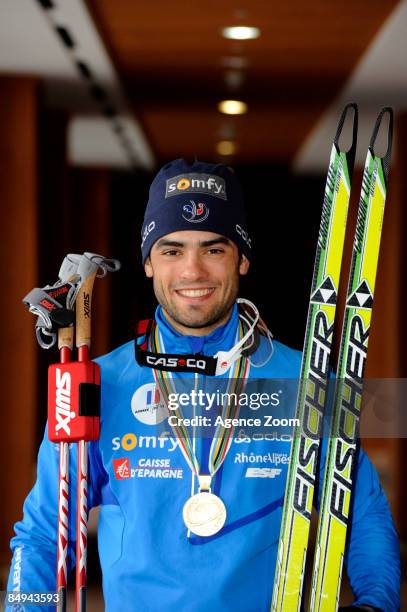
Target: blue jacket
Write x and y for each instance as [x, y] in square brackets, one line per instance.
[140, 480]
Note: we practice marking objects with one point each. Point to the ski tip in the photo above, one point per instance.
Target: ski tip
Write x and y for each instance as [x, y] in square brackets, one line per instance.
[386, 110]
[349, 107]
[351, 150]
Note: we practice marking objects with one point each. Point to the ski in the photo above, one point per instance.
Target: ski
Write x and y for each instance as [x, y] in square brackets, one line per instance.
[293, 540]
[337, 484]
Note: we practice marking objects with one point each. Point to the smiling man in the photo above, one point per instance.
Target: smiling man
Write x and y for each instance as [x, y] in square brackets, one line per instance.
[196, 279]
[191, 522]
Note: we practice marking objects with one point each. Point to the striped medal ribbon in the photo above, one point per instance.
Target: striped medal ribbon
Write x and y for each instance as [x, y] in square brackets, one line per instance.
[204, 513]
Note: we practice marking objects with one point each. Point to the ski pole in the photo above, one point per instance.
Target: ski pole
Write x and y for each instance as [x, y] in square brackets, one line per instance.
[54, 306]
[65, 345]
[88, 268]
[73, 396]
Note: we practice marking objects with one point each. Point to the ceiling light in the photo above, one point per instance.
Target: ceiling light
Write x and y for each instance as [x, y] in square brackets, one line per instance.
[226, 147]
[234, 62]
[240, 32]
[234, 79]
[232, 107]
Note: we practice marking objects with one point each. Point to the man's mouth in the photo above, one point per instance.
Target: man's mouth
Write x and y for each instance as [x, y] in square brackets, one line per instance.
[195, 293]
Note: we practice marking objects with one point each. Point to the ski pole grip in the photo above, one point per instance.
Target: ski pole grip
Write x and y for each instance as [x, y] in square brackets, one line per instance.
[66, 337]
[83, 311]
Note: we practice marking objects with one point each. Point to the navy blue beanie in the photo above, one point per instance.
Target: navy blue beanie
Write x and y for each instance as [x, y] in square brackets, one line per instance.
[197, 196]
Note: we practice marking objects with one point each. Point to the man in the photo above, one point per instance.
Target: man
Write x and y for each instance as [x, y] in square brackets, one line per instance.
[189, 522]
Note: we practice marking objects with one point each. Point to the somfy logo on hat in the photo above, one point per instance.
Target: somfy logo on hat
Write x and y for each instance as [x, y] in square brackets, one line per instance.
[195, 213]
[196, 182]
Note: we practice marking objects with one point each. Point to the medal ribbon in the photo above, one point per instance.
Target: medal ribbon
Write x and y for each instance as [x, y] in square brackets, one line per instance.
[223, 436]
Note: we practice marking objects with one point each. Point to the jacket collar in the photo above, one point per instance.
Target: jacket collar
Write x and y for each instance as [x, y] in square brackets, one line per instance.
[223, 337]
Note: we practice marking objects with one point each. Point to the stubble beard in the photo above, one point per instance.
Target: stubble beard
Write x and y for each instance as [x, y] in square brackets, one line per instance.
[217, 314]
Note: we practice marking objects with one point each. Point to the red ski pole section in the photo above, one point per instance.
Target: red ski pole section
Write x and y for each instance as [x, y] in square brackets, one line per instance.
[82, 527]
[63, 509]
[83, 353]
[63, 506]
[83, 340]
[82, 512]
[65, 354]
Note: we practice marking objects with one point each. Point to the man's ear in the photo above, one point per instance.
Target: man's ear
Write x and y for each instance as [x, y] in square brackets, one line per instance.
[148, 268]
[244, 265]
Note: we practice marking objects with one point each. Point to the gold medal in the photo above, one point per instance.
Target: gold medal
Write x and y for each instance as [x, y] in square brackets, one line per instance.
[204, 514]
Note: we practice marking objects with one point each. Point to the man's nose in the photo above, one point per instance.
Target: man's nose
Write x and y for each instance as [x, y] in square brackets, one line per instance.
[193, 267]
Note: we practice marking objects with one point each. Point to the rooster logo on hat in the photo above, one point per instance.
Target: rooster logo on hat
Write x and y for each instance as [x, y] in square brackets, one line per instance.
[195, 213]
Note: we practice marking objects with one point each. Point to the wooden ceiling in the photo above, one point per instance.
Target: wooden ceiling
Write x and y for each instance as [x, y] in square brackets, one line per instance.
[175, 66]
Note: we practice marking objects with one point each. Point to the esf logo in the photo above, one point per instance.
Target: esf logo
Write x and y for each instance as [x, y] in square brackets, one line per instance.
[147, 405]
[195, 213]
[130, 441]
[196, 182]
[175, 362]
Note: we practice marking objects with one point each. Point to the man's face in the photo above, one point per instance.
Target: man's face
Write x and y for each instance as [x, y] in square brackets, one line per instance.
[196, 278]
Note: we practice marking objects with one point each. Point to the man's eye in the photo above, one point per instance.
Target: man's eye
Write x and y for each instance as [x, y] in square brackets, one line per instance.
[215, 251]
[170, 253]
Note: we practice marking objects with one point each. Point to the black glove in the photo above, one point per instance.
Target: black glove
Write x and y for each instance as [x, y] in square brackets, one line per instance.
[366, 608]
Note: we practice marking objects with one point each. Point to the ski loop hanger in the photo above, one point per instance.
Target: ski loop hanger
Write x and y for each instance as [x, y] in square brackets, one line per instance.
[385, 159]
[203, 364]
[54, 304]
[351, 151]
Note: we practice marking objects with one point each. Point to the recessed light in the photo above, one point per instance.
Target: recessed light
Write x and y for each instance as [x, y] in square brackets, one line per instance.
[232, 107]
[226, 147]
[234, 79]
[241, 32]
[234, 62]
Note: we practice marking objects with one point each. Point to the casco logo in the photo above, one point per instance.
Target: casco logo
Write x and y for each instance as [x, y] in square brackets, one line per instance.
[244, 235]
[147, 230]
[147, 405]
[195, 213]
[175, 362]
[196, 182]
[63, 401]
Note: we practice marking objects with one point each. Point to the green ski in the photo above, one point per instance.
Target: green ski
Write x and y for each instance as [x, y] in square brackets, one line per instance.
[293, 542]
[337, 485]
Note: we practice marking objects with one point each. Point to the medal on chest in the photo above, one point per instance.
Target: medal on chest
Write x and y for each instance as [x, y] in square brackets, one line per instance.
[204, 513]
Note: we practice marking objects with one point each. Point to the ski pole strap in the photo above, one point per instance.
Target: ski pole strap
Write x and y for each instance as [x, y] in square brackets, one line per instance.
[92, 263]
[50, 305]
